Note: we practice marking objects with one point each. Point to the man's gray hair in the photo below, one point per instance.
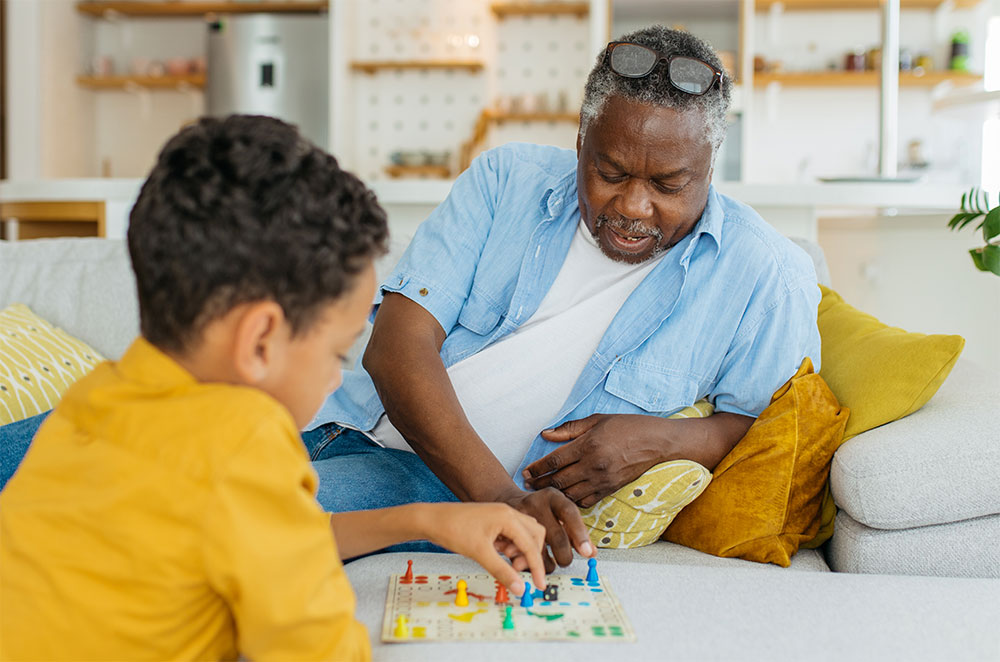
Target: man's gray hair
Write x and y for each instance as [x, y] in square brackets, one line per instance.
[655, 88]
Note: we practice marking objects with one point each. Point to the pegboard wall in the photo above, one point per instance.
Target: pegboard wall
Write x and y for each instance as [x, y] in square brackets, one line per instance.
[530, 63]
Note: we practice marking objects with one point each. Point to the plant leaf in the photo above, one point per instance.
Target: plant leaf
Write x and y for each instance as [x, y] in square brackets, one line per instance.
[962, 205]
[991, 259]
[991, 225]
[960, 220]
[976, 197]
[977, 258]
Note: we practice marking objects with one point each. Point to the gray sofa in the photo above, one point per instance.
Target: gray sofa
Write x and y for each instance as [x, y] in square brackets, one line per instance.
[918, 496]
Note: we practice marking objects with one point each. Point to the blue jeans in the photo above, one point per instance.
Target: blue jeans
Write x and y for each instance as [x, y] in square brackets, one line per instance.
[357, 474]
[354, 472]
[14, 441]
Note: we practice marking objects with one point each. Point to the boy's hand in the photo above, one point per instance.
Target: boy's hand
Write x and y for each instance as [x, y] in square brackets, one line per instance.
[480, 530]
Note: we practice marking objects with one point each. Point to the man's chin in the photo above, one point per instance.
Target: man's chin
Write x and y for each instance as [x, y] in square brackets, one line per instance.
[624, 256]
[614, 247]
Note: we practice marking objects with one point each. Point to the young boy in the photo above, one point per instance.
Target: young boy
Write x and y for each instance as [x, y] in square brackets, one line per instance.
[166, 508]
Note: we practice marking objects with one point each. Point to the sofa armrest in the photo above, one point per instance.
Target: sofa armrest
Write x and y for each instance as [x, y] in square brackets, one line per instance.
[939, 465]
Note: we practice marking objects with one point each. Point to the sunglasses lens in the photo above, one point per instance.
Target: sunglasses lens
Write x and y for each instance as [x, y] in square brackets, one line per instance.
[631, 60]
[690, 75]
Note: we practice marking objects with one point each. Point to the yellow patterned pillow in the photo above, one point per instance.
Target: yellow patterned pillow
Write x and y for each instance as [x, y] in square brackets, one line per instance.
[638, 513]
[38, 362]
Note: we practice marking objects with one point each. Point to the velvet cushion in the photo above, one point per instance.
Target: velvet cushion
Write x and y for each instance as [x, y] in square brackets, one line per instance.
[765, 497]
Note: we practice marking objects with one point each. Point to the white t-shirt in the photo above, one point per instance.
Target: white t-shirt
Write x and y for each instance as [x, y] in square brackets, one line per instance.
[513, 388]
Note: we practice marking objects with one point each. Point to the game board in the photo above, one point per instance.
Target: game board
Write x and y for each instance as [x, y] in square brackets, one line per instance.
[582, 611]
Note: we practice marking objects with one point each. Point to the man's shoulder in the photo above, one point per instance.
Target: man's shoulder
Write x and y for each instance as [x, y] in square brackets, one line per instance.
[530, 161]
[748, 238]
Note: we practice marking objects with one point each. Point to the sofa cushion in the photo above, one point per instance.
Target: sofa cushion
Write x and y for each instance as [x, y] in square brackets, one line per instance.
[959, 549]
[84, 286]
[638, 512]
[764, 499]
[938, 465]
[38, 362]
[879, 372]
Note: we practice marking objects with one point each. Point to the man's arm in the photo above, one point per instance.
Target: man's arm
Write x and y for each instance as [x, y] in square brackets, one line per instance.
[404, 361]
[605, 451]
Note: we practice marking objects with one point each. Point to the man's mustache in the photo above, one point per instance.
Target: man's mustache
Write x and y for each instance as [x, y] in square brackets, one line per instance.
[628, 227]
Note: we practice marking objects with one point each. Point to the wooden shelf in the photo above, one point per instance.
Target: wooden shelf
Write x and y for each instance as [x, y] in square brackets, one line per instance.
[862, 78]
[501, 117]
[373, 66]
[432, 171]
[504, 9]
[186, 8]
[799, 5]
[150, 82]
[490, 116]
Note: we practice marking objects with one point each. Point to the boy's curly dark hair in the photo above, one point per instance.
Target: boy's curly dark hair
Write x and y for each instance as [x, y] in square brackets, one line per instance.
[244, 209]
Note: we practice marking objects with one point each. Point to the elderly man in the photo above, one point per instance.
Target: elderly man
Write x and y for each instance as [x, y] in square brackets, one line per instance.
[557, 307]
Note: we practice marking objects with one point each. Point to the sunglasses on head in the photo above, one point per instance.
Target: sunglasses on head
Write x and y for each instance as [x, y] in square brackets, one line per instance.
[687, 74]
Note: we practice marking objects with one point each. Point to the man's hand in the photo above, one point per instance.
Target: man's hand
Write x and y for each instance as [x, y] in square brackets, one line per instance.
[602, 453]
[564, 528]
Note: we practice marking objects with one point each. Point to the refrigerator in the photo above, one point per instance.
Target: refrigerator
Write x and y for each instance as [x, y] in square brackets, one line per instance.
[271, 64]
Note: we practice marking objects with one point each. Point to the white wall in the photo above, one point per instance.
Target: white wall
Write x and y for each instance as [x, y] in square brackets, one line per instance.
[57, 129]
[24, 89]
[67, 110]
[913, 272]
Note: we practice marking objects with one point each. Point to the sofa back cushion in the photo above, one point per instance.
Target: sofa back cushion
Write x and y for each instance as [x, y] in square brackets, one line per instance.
[84, 286]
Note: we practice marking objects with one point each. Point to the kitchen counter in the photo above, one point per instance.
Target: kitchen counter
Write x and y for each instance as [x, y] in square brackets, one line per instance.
[792, 208]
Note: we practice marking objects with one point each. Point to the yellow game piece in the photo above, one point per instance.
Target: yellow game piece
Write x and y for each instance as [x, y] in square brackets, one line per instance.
[462, 596]
[401, 631]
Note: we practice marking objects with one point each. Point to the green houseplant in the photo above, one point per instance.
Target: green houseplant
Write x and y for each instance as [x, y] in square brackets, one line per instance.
[974, 204]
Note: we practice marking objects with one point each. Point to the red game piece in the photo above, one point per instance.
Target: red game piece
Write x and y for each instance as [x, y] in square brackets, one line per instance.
[408, 577]
[501, 596]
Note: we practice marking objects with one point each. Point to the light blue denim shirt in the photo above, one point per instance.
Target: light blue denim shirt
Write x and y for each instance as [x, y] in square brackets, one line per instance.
[728, 314]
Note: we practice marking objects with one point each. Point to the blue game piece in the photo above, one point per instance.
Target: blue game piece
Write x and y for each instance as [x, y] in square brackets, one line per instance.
[592, 571]
[526, 599]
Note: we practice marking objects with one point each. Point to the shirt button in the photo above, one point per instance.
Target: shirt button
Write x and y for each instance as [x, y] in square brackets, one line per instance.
[423, 291]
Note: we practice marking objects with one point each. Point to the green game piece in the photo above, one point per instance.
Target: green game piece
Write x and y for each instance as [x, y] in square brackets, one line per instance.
[616, 631]
[598, 630]
[508, 619]
[573, 633]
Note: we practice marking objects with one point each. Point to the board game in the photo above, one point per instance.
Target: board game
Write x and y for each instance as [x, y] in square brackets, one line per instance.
[468, 607]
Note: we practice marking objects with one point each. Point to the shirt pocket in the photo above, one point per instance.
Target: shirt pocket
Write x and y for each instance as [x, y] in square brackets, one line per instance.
[479, 314]
[656, 392]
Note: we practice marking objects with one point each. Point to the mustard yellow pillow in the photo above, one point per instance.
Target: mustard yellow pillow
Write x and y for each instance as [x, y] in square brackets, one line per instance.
[38, 362]
[637, 513]
[881, 373]
[765, 497]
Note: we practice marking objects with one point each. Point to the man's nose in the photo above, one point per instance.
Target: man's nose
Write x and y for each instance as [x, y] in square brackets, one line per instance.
[634, 201]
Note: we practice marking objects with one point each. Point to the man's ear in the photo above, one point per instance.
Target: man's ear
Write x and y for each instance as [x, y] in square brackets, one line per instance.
[579, 144]
[259, 342]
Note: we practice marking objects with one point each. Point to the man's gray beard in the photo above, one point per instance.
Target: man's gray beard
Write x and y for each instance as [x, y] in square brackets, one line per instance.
[631, 228]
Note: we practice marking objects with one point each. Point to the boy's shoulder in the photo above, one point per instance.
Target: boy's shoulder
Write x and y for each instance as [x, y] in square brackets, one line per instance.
[159, 413]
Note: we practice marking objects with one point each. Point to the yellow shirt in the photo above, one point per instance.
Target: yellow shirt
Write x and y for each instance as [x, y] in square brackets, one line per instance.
[156, 517]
